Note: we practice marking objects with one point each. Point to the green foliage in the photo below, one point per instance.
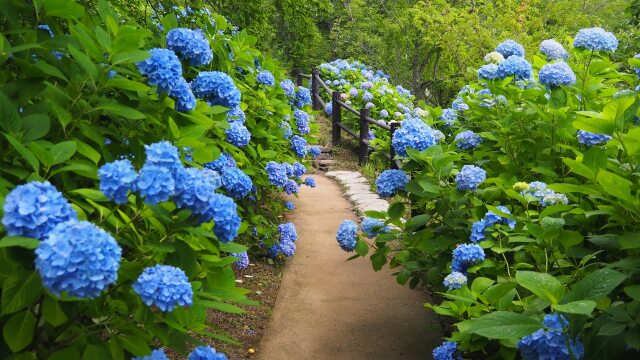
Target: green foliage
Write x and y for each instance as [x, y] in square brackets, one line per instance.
[70, 103]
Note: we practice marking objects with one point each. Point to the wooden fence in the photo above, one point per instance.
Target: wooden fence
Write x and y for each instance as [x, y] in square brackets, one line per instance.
[316, 85]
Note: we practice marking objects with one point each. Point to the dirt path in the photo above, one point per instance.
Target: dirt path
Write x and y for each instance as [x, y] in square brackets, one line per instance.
[330, 308]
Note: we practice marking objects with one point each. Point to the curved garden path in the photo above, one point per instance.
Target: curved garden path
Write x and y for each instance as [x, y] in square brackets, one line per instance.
[330, 308]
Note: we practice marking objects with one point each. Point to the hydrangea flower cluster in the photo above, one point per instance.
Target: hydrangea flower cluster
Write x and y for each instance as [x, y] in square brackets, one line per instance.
[225, 216]
[276, 173]
[191, 45]
[468, 140]
[449, 116]
[539, 192]
[236, 183]
[288, 87]
[162, 68]
[288, 237]
[346, 235]
[290, 187]
[302, 120]
[470, 177]
[551, 343]
[328, 108]
[117, 179]
[488, 71]
[455, 280]
[494, 57]
[299, 146]
[184, 98]
[34, 209]
[302, 97]
[310, 182]
[591, 139]
[466, 255]
[243, 260]
[314, 151]
[509, 48]
[236, 115]
[595, 38]
[439, 135]
[223, 162]
[515, 66]
[155, 183]
[266, 77]
[412, 134]
[78, 258]
[157, 354]
[389, 182]
[216, 88]
[490, 218]
[553, 50]
[194, 189]
[289, 205]
[164, 286]
[373, 227]
[238, 135]
[287, 129]
[447, 351]
[206, 353]
[555, 74]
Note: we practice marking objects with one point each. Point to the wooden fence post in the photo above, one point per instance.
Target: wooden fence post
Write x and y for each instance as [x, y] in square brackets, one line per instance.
[393, 127]
[315, 75]
[298, 73]
[336, 117]
[363, 150]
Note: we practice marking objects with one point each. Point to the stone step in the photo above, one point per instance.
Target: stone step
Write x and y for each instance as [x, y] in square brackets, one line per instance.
[323, 156]
[326, 149]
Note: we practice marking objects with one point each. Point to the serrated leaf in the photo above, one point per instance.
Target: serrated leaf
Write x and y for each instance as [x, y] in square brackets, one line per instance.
[543, 285]
[503, 325]
[582, 307]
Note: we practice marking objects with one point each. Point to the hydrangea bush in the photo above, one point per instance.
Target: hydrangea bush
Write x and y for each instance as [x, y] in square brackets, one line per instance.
[524, 213]
[135, 158]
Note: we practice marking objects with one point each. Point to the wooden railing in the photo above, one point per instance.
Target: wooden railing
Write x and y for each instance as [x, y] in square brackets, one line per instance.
[316, 84]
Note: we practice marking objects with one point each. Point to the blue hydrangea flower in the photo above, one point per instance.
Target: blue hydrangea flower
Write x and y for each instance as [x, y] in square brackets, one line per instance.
[288, 87]
[439, 135]
[289, 205]
[194, 188]
[287, 129]
[216, 88]
[290, 187]
[236, 115]
[117, 179]
[223, 162]
[302, 97]
[78, 258]
[213, 177]
[384, 113]
[447, 351]
[238, 135]
[164, 286]
[389, 182]
[163, 68]
[459, 105]
[314, 151]
[413, 134]
[157, 354]
[470, 177]
[510, 47]
[236, 183]
[155, 184]
[287, 232]
[488, 71]
[299, 169]
[369, 105]
[162, 154]
[468, 140]
[553, 50]
[299, 146]
[206, 353]
[455, 280]
[287, 248]
[191, 45]
[591, 139]
[477, 230]
[224, 212]
[276, 173]
[366, 85]
[353, 92]
[243, 260]
[466, 255]
[302, 120]
[515, 66]
[449, 116]
[328, 108]
[346, 235]
[34, 209]
[310, 182]
[595, 39]
[373, 227]
[367, 96]
[550, 343]
[556, 74]
[493, 218]
[266, 77]
[184, 98]
[288, 168]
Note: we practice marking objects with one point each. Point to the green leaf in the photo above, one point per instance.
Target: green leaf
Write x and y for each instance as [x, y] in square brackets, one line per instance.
[95, 352]
[52, 312]
[503, 325]
[19, 291]
[22, 150]
[91, 194]
[611, 329]
[582, 307]
[232, 247]
[396, 210]
[579, 168]
[18, 330]
[416, 222]
[65, 9]
[19, 241]
[633, 291]
[89, 152]
[228, 308]
[129, 57]
[118, 109]
[596, 285]
[134, 344]
[63, 151]
[9, 117]
[35, 126]
[84, 61]
[543, 285]
[362, 248]
[615, 185]
[126, 84]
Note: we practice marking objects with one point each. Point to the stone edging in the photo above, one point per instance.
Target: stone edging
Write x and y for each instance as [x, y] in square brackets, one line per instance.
[358, 191]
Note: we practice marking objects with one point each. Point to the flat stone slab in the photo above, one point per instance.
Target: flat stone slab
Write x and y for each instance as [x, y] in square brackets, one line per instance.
[333, 174]
[361, 198]
[359, 186]
[347, 177]
[352, 192]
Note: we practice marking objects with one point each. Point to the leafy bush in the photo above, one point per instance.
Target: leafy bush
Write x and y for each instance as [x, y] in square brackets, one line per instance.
[530, 232]
[125, 197]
